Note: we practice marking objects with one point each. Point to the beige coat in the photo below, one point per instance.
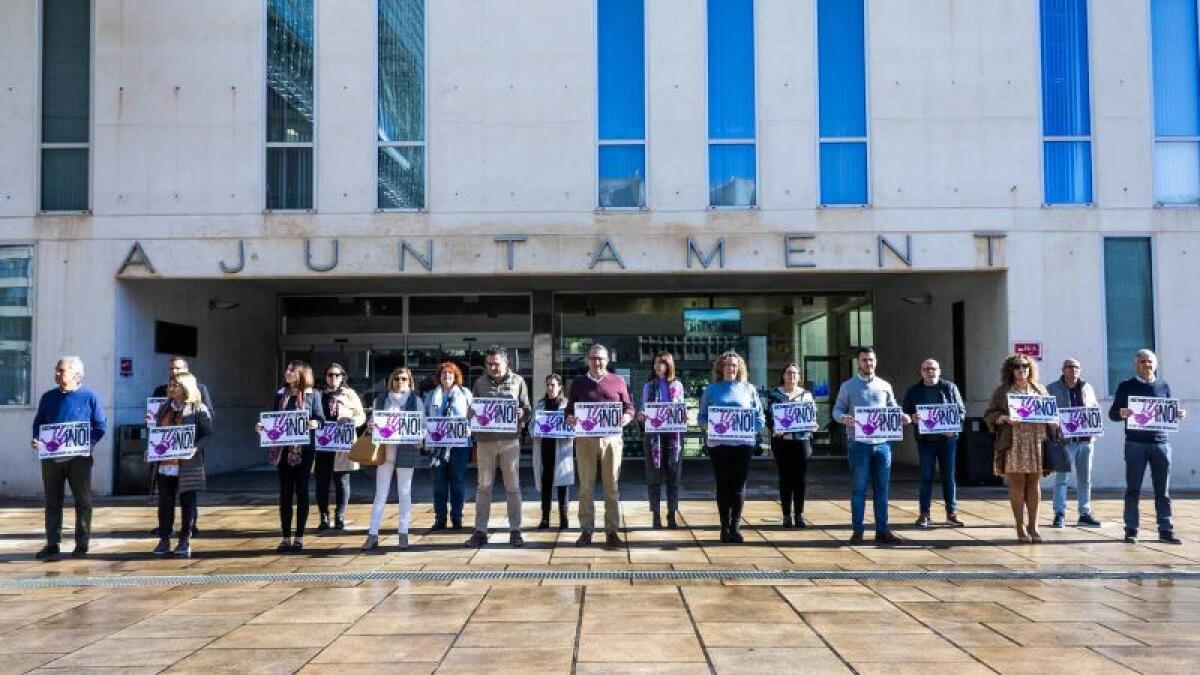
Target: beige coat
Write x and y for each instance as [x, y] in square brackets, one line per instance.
[349, 405]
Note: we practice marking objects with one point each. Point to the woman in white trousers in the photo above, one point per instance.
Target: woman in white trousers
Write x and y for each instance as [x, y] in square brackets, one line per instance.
[401, 459]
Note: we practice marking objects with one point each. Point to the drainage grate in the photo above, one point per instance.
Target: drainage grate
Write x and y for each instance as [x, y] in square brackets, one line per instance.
[584, 576]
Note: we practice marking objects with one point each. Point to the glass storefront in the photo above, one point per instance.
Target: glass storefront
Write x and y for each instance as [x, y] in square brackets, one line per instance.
[371, 335]
[817, 331]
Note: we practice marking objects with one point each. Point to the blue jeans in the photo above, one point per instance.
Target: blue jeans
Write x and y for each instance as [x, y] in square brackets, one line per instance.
[448, 481]
[1081, 463]
[941, 449]
[870, 464]
[1158, 456]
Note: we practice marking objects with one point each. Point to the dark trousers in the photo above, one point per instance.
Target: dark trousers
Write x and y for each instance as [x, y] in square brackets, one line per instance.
[791, 458]
[731, 467]
[549, 464]
[1158, 457]
[324, 474]
[939, 449]
[449, 481]
[77, 472]
[293, 484]
[666, 473]
[168, 487]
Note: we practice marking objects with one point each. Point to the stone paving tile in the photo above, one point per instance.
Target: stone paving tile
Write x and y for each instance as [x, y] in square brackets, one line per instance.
[257, 661]
[1158, 660]
[522, 660]
[752, 660]
[751, 634]
[353, 649]
[1040, 660]
[280, 636]
[1061, 633]
[136, 652]
[664, 648]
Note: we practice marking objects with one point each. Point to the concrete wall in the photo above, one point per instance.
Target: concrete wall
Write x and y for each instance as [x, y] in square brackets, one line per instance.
[237, 357]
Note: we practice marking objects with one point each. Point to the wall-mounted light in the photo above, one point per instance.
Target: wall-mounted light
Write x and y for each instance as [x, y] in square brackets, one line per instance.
[926, 299]
[214, 305]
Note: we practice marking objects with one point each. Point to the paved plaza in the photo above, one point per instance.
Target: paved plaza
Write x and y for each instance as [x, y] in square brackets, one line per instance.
[785, 601]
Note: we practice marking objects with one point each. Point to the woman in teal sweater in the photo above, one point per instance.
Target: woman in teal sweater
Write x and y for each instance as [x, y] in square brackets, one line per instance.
[732, 437]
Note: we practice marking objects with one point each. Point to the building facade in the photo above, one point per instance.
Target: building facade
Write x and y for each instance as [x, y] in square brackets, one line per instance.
[386, 182]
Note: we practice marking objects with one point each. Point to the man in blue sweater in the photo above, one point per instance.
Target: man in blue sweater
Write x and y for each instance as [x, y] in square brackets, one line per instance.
[1145, 447]
[870, 458]
[69, 402]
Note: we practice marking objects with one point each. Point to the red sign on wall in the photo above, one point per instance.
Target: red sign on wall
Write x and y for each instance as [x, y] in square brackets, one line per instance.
[126, 366]
[1031, 350]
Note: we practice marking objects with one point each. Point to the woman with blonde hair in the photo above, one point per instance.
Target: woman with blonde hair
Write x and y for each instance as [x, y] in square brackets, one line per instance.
[1018, 445]
[402, 459]
[182, 477]
[731, 459]
[343, 405]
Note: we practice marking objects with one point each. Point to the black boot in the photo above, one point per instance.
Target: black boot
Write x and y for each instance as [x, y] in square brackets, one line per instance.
[563, 521]
[545, 524]
[671, 524]
[324, 525]
[657, 520]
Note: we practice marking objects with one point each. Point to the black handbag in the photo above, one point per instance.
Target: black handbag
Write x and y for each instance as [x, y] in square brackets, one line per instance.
[1055, 457]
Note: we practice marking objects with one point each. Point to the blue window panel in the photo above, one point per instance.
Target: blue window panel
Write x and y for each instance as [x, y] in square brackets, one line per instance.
[1128, 303]
[1068, 166]
[290, 108]
[401, 70]
[621, 54]
[844, 173]
[1065, 107]
[622, 176]
[730, 69]
[290, 178]
[401, 177]
[66, 69]
[1177, 172]
[64, 179]
[842, 68]
[1176, 73]
[731, 175]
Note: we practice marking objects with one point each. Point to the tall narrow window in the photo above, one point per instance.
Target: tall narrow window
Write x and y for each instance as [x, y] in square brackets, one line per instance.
[732, 163]
[16, 324]
[1128, 303]
[1176, 101]
[1066, 114]
[66, 94]
[842, 92]
[401, 139]
[621, 55]
[291, 113]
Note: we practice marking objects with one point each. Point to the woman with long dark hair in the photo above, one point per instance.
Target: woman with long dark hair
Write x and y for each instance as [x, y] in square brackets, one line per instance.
[294, 463]
[662, 451]
[791, 450]
[342, 404]
[553, 458]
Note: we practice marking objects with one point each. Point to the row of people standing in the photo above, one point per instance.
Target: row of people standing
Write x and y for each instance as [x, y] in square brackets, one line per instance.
[1018, 447]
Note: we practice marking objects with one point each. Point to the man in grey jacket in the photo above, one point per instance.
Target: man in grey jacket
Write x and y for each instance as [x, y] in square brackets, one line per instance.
[1072, 392]
[499, 449]
[870, 458]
